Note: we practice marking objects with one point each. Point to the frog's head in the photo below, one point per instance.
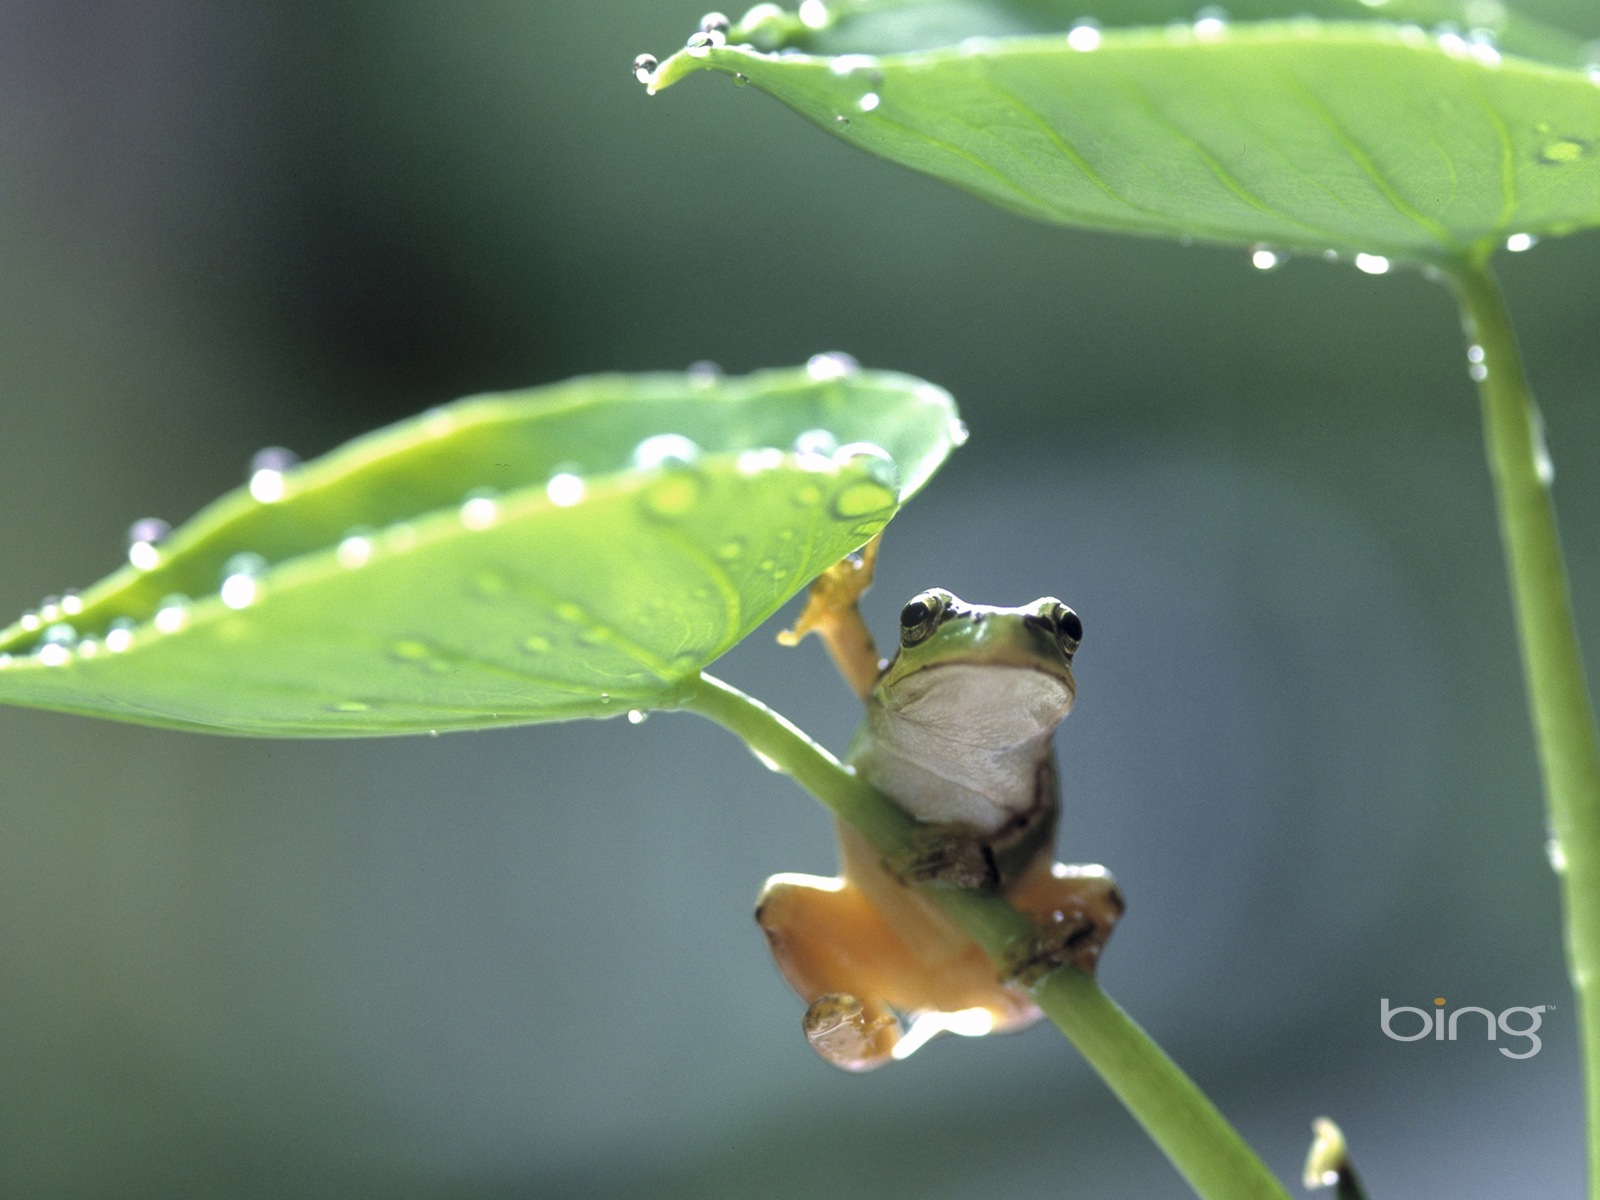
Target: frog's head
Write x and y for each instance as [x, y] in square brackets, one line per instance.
[983, 674]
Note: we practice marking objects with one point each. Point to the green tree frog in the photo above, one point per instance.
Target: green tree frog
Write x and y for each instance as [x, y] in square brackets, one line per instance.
[958, 732]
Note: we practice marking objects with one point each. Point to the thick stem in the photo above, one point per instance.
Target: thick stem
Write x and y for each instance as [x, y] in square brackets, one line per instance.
[1198, 1140]
[1563, 719]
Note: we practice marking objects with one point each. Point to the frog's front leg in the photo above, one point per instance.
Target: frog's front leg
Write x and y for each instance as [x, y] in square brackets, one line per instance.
[833, 613]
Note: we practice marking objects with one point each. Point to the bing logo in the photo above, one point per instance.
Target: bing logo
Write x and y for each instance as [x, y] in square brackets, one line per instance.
[1444, 1026]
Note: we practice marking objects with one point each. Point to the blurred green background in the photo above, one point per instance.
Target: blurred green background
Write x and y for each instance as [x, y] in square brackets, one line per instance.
[522, 963]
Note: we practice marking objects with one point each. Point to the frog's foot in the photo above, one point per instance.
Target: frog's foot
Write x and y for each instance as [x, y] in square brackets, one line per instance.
[833, 613]
[1073, 910]
[843, 959]
[949, 854]
[852, 1034]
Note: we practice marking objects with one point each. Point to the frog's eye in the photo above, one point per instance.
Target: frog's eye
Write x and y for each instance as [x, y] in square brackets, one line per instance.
[1069, 629]
[921, 616]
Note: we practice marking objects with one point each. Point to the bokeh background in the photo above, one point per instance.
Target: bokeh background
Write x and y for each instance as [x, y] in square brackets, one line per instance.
[521, 963]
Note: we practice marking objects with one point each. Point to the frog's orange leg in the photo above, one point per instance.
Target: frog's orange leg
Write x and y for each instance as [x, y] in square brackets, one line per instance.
[833, 613]
[1074, 909]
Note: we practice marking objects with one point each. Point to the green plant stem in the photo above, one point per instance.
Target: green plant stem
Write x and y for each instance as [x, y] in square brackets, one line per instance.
[1198, 1140]
[1563, 718]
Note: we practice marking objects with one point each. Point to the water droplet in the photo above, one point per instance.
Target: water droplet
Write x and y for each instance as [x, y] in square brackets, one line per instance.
[760, 15]
[144, 538]
[241, 583]
[50, 610]
[849, 64]
[1556, 855]
[879, 463]
[958, 432]
[704, 373]
[1265, 258]
[1563, 151]
[1475, 353]
[637, 716]
[88, 648]
[665, 450]
[53, 655]
[1543, 465]
[1481, 48]
[644, 68]
[714, 21]
[731, 550]
[703, 41]
[832, 365]
[605, 697]
[534, 644]
[1477, 372]
[1451, 42]
[267, 470]
[30, 622]
[816, 443]
[740, 79]
[564, 489]
[1210, 23]
[350, 706]
[120, 635]
[1519, 242]
[814, 14]
[869, 102]
[841, 120]
[479, 511]
[172, 614]
[754, 462]
[355, 550]
[59, 634]
[1085, 36]
[72, 604]
[1372, 264]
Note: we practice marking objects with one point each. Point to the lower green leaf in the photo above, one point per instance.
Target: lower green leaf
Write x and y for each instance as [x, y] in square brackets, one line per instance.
[572, 551]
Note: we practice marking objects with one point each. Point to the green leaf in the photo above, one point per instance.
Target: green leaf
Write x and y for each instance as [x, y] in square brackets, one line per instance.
[1304, 135]
[574, 551]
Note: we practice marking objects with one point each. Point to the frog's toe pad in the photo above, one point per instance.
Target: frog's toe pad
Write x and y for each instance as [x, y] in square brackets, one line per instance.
[850, 1034]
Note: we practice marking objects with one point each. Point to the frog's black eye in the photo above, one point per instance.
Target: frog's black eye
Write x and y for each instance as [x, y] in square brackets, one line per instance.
[921, 616]
[1069, 629]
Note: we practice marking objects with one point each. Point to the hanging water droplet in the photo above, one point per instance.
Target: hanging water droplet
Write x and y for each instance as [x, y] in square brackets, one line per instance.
[267, 470]
[480, 511]
[644, 68]
[1556, 855]
[355, 549]
[144, 538]
[813, 14]
[1564, 150]
[30, 622]
[704, 372]
[1519, 242]
[120, 635]
[1543, 466]
[637, 716]
[1084, 36]
[958, 432]
[1265, 258]
[740, 79]
[832, 365]
[172, 614]
[1372, 264]
[564, 489]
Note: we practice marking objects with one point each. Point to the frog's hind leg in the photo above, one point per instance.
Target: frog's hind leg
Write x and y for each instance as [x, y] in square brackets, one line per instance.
[1073, 909]
[837, 953]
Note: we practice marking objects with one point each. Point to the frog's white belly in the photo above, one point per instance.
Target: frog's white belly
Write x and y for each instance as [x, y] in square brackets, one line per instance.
[962, 743]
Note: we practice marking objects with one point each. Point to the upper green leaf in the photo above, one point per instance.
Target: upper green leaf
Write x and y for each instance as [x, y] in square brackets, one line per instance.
[1308, 135]
[577, 550]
